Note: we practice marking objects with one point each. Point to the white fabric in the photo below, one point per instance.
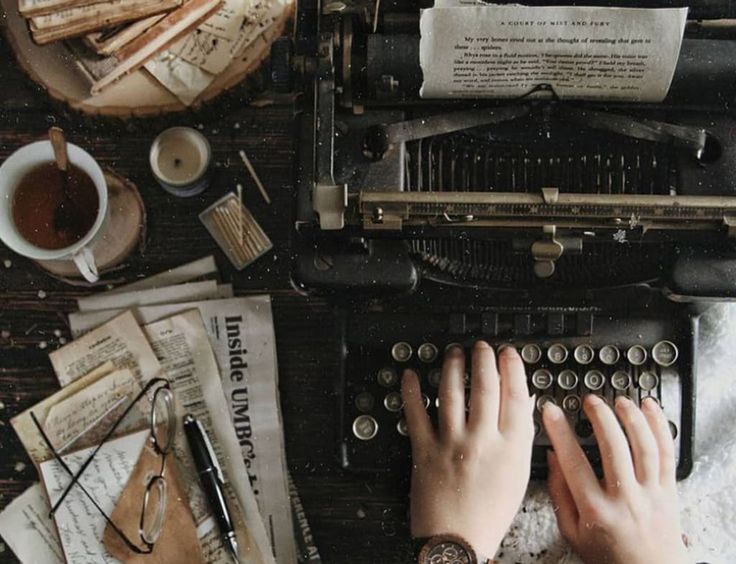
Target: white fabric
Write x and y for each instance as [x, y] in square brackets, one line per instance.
[707, 497]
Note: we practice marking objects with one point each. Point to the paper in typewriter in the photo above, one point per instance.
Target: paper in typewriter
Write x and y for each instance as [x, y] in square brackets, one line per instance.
[581, 52]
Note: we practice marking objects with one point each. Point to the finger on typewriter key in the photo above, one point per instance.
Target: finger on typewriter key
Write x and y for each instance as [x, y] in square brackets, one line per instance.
[365, 427]
[387, 377]
[594, 380]
[665, 445]
[648, 380]
[637, 355]
[393, 402]
[618, 471]
[417, 420]
[609, 355]
[451, 412]
[620, 380]
[665, 353]
[517, 407]
[427, 352]
[485, 388]
[584, 354]
[434, 377]
[557, 353]
[641, 439]
[543, 400]
[567, 379]
[542, 379]
[364, 402]
[531, 353]
[401, 352]
[571, 403]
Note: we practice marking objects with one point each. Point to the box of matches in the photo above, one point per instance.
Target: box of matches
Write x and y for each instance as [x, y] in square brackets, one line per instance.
[236, 231]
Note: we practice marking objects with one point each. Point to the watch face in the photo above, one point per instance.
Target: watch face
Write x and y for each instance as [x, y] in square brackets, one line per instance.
[448, 552]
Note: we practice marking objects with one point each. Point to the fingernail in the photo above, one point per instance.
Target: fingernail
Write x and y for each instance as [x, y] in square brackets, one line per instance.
[506, 349]
[624, 402]
[551, 411]
[593, 399]
[649, 404]
[454, 351]
[408, 372]
[481, 344]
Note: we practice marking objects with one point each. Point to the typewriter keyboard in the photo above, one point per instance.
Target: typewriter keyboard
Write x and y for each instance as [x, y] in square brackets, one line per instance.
[562, 371]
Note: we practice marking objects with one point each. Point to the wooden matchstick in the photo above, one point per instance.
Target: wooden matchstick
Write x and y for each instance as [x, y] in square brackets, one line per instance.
[254, 176]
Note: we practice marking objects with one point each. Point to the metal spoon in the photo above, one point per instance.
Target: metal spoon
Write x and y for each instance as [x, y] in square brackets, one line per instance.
[67, 218]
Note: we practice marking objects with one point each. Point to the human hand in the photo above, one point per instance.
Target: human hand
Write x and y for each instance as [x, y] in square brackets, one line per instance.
[632, 515]
[469, 477]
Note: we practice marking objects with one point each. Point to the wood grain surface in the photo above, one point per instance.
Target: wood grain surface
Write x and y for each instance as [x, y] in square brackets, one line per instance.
[356, 519]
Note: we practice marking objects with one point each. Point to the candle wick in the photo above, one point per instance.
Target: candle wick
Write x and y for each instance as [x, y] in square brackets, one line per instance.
[177, 162]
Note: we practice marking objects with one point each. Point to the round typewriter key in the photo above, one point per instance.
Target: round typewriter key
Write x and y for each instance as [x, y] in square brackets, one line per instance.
[609, 355]
[401, 352]
[365, 427]
[665, 353]
[673, 429]
[426, 401]
[542, 379]
[427, 352]
[594, 380]
[452, 346]
[364, 402]
[434, 377]
[393, 402]
[637, 355]
[537, 429]
[531, 353]
[557, 353]
[648, 380]
[620, 380]
[402, 428]
[571, 403]
[584, 354]
[387, 377]
[543, 400]
[567, 379]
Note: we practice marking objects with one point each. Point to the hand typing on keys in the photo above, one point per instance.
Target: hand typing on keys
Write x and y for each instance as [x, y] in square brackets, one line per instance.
[470, 475]
[632, 515]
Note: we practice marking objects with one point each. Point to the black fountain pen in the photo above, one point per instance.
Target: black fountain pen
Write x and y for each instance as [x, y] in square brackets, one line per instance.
[210, 476]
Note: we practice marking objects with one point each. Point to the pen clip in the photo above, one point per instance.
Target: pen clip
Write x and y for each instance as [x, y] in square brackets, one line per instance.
[211, 452]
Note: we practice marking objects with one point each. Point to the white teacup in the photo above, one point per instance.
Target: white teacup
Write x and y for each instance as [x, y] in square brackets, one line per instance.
[14, 169]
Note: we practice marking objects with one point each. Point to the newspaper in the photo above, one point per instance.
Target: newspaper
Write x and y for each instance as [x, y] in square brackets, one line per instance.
[169, 294]
[182, 351]
[242, 336]
[581, 52]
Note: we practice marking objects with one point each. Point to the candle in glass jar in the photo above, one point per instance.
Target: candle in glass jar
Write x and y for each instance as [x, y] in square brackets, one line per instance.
[180, 160]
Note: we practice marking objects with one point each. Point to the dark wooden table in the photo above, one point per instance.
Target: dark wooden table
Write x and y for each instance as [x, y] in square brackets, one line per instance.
[354, 519]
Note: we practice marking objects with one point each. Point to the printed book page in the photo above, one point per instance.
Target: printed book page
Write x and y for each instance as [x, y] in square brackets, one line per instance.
[581, 52]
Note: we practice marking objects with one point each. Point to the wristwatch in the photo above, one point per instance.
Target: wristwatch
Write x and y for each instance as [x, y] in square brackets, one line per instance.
[447, 549]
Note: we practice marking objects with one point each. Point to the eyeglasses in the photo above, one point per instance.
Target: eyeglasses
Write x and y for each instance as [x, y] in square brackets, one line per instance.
[162, 426]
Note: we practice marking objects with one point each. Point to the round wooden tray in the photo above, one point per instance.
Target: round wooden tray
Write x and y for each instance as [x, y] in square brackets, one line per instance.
[124, 231]
[138, 94]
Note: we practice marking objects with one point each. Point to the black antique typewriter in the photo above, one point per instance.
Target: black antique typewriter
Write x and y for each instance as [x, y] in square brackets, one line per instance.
[589, 235]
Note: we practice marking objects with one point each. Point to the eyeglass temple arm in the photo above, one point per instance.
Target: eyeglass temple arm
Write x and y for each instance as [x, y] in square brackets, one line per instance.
[68, 470]
[75, 477]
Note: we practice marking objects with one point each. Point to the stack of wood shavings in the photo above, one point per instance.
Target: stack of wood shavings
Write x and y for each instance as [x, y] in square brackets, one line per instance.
[184, 44]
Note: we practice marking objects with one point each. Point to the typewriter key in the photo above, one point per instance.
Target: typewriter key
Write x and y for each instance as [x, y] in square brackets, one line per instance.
[426, 401]
[401, 352]
[648, 380]
[434, 377]
[594, 380]
[402, 428]
[364, 402]
[543, 400]
[584, 354]
[637, 355]
[537, 429]
[673, 429]
[567, 379]
[665, 353]
[620, 380]
[571, 403]
[427, 352]
[531, 353]
[542, 379]
[557, 353]
[388, 377]
[365, 427]
[393, 402]
[584, 428]
[609, 355]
